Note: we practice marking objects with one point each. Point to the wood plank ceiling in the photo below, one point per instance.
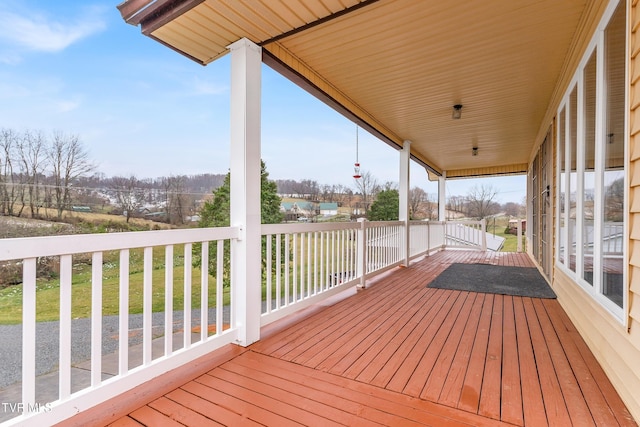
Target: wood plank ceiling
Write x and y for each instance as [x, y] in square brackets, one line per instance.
[398, 66]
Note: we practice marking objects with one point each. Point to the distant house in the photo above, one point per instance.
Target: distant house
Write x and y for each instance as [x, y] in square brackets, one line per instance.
[292, 211]
[328, 209]
[512, 228]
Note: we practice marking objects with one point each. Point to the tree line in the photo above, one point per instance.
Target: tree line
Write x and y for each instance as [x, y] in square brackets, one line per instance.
[55, 171]
[38, 171]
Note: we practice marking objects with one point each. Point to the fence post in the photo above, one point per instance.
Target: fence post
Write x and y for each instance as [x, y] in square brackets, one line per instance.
[444, 234]
[483, 234]
[362, 253]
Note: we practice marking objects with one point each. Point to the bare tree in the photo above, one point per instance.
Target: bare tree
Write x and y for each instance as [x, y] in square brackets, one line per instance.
[512, 209]
[128, 194]
[8, 190]
[68, 160]
[175, 198]
[455, 204]
[614, 201]
[31, 148]
[431, 206]
[367, 185]
[480, 201]
[417, 197]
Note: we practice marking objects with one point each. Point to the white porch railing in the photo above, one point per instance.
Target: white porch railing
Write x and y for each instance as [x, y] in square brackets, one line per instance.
[426, 237]
[302, 264]
[72, 400]
[466, 234]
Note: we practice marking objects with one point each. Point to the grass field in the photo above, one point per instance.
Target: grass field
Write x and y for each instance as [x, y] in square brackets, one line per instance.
[48, 290]
[498, 228]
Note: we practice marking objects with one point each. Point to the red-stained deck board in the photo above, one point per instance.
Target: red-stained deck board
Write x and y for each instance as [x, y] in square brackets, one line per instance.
[150, 417]
[553, 398]
[532, 404]
[470, 394]
[183, 414]
[511, 396]
[236, 400]
[400, 353]
[125, 422]
[323, 357]
[358, 340]
[441, 357]
[491, 392]
[410, 370]
[576, 405]
[403, 409]
[460, 360]
[296, 387]
[224, 416]
[606, 406]
[399, 342]
[382, 338]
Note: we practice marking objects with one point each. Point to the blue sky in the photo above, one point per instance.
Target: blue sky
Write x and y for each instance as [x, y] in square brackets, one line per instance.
[140, 108]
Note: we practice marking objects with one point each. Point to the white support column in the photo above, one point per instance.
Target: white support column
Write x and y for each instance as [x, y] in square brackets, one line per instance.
[519, 234]
[405, 182]
[442, 197]
[246, 62]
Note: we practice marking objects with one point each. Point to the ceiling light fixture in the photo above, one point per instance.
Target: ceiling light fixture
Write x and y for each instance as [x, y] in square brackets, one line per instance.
[457, 111]
[474, 151]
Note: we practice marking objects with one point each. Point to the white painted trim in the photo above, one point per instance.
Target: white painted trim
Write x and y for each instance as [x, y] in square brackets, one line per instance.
[442, 196]
[597, 43]
[29, 332]
[246, 63]
[580, 138]
[405, 182]
[96, 318]
[33, 247]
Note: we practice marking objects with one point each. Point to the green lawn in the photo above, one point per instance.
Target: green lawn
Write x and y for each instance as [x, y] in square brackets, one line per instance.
[48, 290]
[498, 228]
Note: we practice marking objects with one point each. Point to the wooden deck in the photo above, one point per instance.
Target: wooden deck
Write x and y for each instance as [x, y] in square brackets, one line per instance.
[400, 353]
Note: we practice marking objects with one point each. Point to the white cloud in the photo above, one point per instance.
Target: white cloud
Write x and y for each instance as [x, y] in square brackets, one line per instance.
[202, 87]
[37, 32]
[64, 106]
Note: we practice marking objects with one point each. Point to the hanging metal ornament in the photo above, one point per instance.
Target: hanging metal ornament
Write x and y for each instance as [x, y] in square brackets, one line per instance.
[356, 166]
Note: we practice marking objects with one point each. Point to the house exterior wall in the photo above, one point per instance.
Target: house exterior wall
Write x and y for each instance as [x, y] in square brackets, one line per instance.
[615, 343]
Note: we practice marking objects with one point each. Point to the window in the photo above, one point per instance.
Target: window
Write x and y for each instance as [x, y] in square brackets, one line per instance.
[588, 162]
[591, 158]
[613, 156]
[562, 197]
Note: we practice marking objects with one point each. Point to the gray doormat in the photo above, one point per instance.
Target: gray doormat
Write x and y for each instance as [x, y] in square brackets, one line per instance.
[494, 279]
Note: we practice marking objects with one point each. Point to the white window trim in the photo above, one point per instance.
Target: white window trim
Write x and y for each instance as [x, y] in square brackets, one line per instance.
[595, 290]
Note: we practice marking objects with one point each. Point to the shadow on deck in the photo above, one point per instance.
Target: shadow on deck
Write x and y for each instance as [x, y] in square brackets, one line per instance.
[398, 353]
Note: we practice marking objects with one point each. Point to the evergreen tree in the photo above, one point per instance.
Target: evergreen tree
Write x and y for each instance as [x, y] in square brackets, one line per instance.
[217, 213]
[386, 206]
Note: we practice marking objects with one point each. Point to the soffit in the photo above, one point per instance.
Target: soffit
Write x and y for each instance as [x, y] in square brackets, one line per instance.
[400, 66]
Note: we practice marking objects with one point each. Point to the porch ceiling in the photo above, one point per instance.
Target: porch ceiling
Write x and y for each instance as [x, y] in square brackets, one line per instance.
[398, 66]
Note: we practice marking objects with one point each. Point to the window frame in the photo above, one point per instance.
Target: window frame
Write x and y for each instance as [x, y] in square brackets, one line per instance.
[563, 133]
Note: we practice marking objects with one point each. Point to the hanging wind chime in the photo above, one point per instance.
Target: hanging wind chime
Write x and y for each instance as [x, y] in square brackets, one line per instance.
[356, 166]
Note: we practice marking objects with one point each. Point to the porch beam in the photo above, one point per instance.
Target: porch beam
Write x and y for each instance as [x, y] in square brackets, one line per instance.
[246, 60]
[403, 211]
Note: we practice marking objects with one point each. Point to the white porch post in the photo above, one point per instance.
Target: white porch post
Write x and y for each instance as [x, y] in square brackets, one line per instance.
[442, 197]
[404, 214]
[246, 61]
